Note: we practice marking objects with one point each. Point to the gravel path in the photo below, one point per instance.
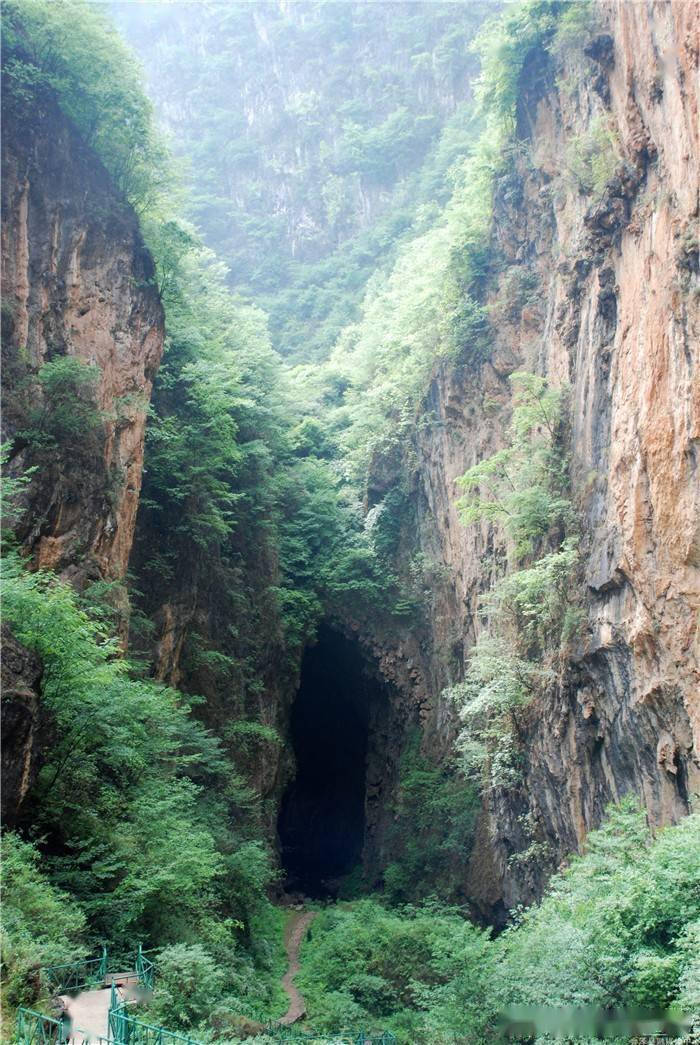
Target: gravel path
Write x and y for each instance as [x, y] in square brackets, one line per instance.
[294, 934]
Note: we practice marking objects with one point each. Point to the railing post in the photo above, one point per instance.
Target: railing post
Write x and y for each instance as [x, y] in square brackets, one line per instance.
[113, 1015]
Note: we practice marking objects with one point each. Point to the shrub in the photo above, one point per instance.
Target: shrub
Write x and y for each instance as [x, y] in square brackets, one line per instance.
[187, 986]
[575, 27]
[615, 928]
[41, 925]
[594, 157]
[533, 611]
[432, 831]
[71, 48]
[65, 416]
[525, 484]
[363, 964]
[146, 856]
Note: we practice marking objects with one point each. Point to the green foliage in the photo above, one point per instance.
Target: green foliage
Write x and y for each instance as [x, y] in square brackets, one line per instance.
[524, 485]
[346, 154]
[365, 964]
[11, 487]
[618, 928]
[69, 47]
[518, 288]
[532, 612]
[594, 157]
[211, 431]
[432, 830]
[423, 311]
[41, 925]
[146, 826]
[427, 310]
[575, 27]
[64, 415]
[497, 682]
[155, 855]
[506, 45]
[688, 963]
[187, 981]
[614, 928]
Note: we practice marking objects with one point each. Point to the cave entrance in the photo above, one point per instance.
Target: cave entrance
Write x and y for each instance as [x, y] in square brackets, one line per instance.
[322, 817]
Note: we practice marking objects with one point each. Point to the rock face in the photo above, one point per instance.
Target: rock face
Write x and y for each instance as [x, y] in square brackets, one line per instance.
[24, 731]
[77, 282]
[330, 112]
[615, 317]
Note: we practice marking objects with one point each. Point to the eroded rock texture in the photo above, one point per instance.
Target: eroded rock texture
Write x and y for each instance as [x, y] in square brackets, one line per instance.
[77, 281]
[24, 728]
[614, 316]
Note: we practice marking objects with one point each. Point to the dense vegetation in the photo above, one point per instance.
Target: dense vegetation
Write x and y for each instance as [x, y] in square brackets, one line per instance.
[311, 134]
[144, 826]
[114, 868]
[618, 930]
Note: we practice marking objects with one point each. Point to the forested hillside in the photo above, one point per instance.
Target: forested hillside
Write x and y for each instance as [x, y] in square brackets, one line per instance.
[312, 136]
[350, 554]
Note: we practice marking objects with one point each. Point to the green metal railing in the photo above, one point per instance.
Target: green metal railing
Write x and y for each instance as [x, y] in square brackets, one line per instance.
[34, 1028]
[145, 970]
[76, 976]
[128, 1030]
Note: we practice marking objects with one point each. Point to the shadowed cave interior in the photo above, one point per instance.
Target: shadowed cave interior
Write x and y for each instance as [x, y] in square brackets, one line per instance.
[322, 817]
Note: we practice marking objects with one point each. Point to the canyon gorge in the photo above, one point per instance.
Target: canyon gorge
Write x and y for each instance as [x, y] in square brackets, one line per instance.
[255, 476]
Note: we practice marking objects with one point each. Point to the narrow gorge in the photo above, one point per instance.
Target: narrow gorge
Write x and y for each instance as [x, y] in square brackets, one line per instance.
[351, 425]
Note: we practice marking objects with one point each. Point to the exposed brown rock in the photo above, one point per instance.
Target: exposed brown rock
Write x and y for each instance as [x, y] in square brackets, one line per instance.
[77, 281]
[616, 318]
[24, 727]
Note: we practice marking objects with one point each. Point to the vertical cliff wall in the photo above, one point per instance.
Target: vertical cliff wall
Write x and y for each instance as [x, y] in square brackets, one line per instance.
[77, 285]
[613, 316]
[77, 282]
[25, 728]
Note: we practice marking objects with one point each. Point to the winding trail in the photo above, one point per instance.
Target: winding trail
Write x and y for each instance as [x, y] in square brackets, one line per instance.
[294, 933]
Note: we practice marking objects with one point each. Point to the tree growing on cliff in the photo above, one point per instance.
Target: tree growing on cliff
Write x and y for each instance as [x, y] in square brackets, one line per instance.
[69, 47]
[525, 485]
[531, 613]
[64, 416]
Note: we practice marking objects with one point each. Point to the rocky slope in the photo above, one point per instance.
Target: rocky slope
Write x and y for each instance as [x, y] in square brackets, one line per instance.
[615, 317]
[305, 129]
[77, 282]
[24, 726]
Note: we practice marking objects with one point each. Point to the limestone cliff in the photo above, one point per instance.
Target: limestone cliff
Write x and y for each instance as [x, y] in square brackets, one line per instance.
[77, 282]
[593, 284]
[614, 316]
[25, 729]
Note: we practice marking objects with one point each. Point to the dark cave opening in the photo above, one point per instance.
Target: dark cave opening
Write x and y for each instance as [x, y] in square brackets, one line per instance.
[322, 817]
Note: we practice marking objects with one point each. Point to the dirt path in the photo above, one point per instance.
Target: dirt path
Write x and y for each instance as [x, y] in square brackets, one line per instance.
[294, 934]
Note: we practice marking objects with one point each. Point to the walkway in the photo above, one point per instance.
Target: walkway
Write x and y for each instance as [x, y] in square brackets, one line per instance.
[295, 932]
[89, 1010]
